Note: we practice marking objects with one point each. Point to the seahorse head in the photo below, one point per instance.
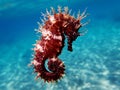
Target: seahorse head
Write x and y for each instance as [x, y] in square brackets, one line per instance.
[71, 26]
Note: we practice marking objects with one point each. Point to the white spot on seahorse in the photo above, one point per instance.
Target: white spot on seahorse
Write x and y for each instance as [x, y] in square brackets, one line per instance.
[57, 37]
[54, 59]
[39, 47]
[46, 34]
[35, 63]
[52, 19]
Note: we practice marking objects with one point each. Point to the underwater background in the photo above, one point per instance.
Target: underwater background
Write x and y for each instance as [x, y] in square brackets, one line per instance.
[94, 63]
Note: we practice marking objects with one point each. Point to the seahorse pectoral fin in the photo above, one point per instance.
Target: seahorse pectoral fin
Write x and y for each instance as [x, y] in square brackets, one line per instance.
[70, 45]
[70, 48]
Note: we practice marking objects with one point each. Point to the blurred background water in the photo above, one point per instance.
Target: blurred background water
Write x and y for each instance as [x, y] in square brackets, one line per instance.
[94, 63]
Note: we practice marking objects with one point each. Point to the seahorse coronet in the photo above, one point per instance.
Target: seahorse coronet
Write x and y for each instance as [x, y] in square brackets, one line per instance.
[57, 26]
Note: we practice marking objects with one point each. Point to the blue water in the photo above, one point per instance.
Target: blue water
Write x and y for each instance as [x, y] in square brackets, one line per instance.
[94, 63]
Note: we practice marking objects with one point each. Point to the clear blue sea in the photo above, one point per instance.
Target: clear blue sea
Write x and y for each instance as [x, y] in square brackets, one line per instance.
[94, 63]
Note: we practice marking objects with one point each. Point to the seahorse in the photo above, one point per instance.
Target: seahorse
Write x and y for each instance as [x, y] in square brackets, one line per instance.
[56, 27]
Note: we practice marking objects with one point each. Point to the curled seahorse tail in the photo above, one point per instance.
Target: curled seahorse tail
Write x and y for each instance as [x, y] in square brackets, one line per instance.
[55, 66]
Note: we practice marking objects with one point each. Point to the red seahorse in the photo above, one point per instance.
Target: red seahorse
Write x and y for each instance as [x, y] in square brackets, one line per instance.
[55, 28]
